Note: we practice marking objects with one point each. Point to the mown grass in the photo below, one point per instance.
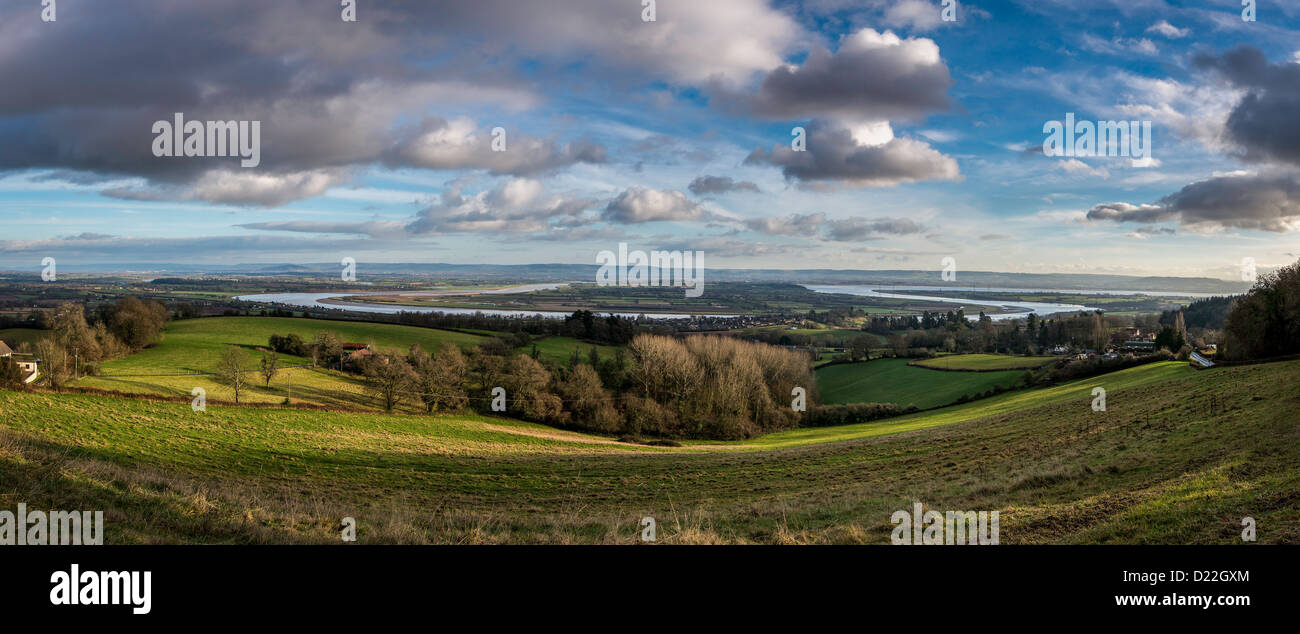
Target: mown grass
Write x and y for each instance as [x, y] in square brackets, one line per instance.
[894, 381]
[1177, 457]
[984, 362]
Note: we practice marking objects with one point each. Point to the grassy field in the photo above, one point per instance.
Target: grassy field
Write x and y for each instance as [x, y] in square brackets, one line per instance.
[15, 336]
[1160, 465]
[194, 345]
[560, 349]
[984, 362]
[894, 381]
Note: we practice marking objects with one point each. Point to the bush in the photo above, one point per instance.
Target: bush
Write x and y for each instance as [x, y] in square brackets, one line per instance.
[1081, 368]
[644, 416]
[290, 344]
[829, 415]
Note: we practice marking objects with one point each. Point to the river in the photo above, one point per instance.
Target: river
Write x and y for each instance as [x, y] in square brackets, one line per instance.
[316, 300]
[1010, 310]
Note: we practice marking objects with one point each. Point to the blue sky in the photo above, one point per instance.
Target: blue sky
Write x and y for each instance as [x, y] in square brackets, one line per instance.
[924, 136]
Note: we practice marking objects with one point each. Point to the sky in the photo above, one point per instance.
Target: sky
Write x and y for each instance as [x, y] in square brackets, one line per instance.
[508, 132]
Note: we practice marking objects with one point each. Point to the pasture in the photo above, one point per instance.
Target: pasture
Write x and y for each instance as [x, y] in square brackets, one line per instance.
[174, 366]
[894, 381]
[1160, 465]
[984, 362]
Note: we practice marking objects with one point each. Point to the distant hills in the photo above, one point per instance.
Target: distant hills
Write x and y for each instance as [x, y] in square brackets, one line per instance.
[579, 272]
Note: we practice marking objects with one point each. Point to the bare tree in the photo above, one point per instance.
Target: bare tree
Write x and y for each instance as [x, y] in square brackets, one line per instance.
[269, 366]
[55, 362]
[440, 378]
[232, 369]
[388, 376]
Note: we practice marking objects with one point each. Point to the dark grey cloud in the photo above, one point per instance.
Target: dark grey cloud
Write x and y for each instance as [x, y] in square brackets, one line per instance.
[373, 228]
[706, 185]
[1264, 124]
[860, 229]
[805, 225]
[834, 156]
[331, 96]
[873, 76]
[1157, 231]
[1266, 202]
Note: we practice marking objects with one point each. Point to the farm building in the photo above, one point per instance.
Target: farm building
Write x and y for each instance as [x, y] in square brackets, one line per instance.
[26, 363]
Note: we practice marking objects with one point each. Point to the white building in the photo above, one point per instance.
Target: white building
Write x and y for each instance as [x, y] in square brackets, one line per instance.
[25, 363]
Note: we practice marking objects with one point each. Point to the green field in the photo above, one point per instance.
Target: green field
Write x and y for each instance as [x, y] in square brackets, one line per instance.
[194, 345]
[1160, 465]
[560, 349]
[894, 381]
[984, 362]
[15, 336]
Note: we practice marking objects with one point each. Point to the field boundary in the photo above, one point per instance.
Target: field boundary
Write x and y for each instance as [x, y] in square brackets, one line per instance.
[918, 364]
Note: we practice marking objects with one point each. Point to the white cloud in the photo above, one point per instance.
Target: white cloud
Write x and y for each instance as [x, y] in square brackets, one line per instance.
[1168, 30]
[641, 204]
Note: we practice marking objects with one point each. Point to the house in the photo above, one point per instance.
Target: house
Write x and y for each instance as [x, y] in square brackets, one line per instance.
[26, 363]
[354, 353]
[1139, 346]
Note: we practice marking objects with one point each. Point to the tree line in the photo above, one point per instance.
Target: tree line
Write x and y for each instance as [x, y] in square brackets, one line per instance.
[79, 340]
[697, 386]
[1265, 322]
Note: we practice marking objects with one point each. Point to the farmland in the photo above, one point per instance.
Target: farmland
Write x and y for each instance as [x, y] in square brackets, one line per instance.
[984, 362]
[15, 336]
[560, 349]
[1160, 465]
[894, 381]
[192, 346]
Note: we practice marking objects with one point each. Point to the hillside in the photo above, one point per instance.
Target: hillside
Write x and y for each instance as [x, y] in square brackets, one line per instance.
[894, 381]
[983, 362]
[1161, 465]
[193, 346]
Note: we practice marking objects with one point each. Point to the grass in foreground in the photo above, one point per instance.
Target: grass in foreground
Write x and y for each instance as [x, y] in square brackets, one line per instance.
[1159, 466]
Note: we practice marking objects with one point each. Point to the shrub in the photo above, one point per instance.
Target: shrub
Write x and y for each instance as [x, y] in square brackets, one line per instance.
[829, 415]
